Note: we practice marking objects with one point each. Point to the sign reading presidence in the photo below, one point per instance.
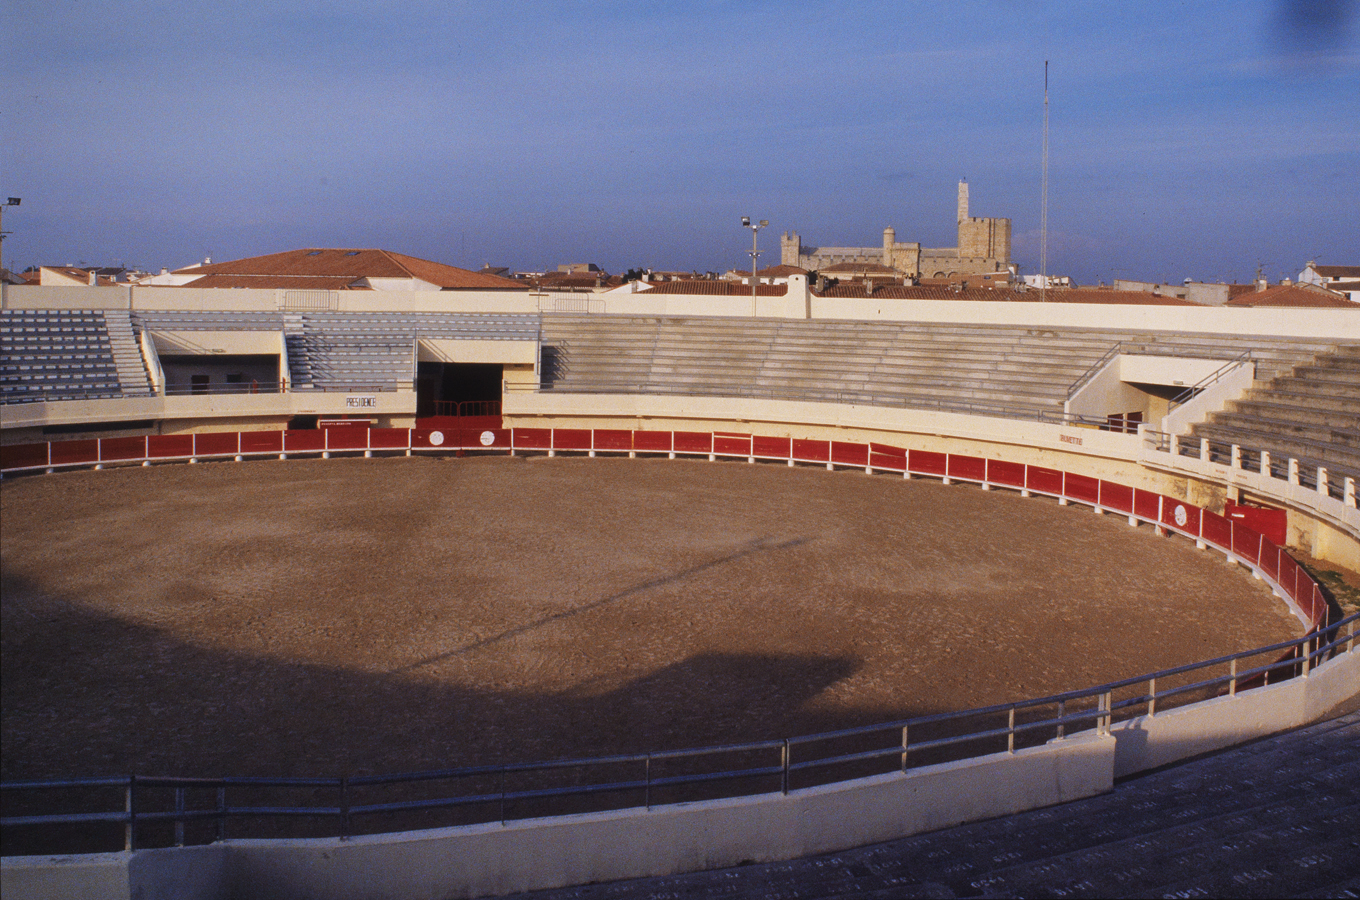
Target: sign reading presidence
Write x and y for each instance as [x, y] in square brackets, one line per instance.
[361, 402]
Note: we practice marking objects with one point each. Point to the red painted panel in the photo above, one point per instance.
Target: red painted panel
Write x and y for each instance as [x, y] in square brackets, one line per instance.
[652, 441]
[1246, 542]
[811, 451]
[1216, 530]
[693, 442]
[478, 423]
[1145, 504]
[533, 438]
[23, 456]
[1318, 613]
[1270, 560]
[613, 439]
[1082, 487]
[890, 450]
[123, 448]
[1043, 481]
[261, 441]
[1118, 497]
[486, 439]
[1011, 474]
[161, 446]
[347, 438]
[1180, 515]
[298, 441]
[388, 438]
[967, 468]
[1289, 576]
[570, 439]
[771, 447]
[849, 453]
[732, 444]
[928, 463]
[1273, 523]
[67, 452]
[215, 443]
[886, 461]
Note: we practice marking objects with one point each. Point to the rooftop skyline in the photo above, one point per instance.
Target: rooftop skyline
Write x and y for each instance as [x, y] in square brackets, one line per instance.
[1187, 140]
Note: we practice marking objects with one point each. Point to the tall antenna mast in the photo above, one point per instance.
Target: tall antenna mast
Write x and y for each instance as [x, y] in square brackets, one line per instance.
[1043, 210]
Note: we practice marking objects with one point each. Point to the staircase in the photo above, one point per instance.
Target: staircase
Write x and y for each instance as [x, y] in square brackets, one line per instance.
[1311, 414]
[127, 355]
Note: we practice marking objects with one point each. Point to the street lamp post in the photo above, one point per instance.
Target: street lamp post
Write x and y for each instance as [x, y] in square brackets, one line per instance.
[12, 201]
[755, 254]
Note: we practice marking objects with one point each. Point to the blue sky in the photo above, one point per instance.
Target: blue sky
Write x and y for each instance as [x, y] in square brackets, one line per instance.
[1186, 139]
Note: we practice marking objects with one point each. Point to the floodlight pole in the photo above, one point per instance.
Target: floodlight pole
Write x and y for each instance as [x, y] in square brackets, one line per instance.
[755, 254]
[12, 201]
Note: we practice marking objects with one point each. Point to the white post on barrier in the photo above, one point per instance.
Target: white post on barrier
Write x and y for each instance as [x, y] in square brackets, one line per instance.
[239, 455]
[1236, 457]
[99, 453]
[1322, 487]
[1293, 471]
[1175, 445]
[193, 448]
[592, 443]
[1203, 449]
[1062, 491]
[1265, 463]
[1348, 492]
[326, 443]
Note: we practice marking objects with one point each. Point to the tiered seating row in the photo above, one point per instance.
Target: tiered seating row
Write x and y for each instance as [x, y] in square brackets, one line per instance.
[56, 355]
[1311, 414]
[1018, 369]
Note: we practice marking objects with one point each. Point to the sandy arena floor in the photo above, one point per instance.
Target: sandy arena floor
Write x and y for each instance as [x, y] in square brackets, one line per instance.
[321, 617]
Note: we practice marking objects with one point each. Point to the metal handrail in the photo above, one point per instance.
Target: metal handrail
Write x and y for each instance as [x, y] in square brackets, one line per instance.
[1302, 652]
[1189, 393]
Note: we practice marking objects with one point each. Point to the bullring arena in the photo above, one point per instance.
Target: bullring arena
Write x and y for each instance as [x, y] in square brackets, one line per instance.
[634, 550]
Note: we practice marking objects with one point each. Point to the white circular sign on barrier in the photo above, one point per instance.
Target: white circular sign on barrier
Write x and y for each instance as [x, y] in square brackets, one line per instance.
[488, 439]
[436, 438]
[1181, 517]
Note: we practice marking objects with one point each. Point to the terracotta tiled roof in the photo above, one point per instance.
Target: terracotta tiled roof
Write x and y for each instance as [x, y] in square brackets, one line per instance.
[1338, 271]
[718, 288]
[1004, 295]
[1293, 295]
[276, 282]
[875, 268]
[354, 265]
[781, 271]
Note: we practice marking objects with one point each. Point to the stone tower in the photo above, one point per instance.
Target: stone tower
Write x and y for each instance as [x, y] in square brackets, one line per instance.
[963, 199]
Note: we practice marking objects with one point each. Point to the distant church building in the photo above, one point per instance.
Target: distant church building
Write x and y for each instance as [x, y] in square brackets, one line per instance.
[984, 246]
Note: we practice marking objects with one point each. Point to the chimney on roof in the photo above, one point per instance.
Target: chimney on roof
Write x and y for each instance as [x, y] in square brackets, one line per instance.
[868, 287]
[207, 260]
[94, 278]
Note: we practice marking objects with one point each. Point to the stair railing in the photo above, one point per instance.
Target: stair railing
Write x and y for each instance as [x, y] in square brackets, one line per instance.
[1189, 393]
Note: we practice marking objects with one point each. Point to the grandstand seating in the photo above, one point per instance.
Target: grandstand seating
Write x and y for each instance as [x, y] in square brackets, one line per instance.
[69, 355]
[1011, 369]
[1311, 414]
[347, 351]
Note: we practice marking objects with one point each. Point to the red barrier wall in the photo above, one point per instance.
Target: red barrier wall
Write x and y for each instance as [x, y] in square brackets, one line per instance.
[849, 453]
[805, 450]
[1008, 473]
[532, 438]
[262, 442]
[927, 463]
[570, 439]
[348, 438]
[1043, 481]
[1215, 529]
[693, 442]
[1273, 523]
[111, 449]
[611, 439]
[1145, 504]
[166, 446]
[967, 468]
[23, 456]
[1082, 487]
[297, 441]
[216, 443]
[771, 447]
[388, 438]
[1118, 497]
[731, 444]
[652, 441]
